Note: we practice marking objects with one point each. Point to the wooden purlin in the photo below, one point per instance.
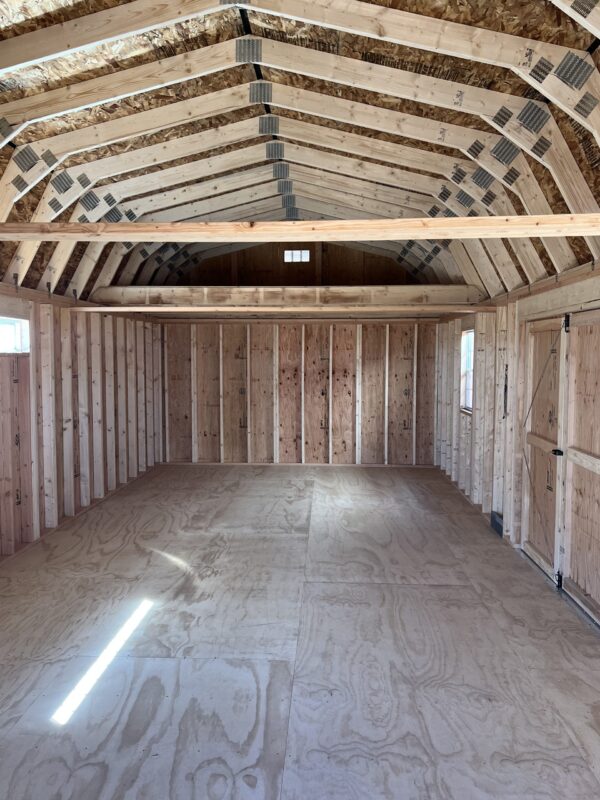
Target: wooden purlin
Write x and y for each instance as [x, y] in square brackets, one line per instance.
[374, 229]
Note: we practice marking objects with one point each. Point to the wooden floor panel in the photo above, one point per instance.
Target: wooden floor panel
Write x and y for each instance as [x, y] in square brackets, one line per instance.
[315, 632]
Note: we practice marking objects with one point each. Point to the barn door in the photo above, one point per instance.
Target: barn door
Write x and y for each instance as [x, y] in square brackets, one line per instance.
[580, 509]
[541, 451]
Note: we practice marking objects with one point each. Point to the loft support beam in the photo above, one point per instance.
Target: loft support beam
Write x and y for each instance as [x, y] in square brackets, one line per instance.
[549, 226]
[257, 298]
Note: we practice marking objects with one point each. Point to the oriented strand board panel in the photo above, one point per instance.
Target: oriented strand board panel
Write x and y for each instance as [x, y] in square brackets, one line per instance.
[208, 392]
[425, 404]
[343, 391]
[400, 393]
[373, 394]
[235, 388]
[316, 393]
[179, 392]
[290, 394]
[262, 418]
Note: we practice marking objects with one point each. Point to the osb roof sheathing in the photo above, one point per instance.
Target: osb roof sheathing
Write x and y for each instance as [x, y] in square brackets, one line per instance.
[537, 19]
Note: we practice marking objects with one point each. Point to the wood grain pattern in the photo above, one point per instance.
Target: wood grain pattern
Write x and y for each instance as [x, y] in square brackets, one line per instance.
[380, 671]
[425, 389]
[343, 389]
[543, 422]
[290, 399]
[235, 393]
[207, 349]
[262, 419]
[316, 393]
[428, 659]
[400, 394]
[179, 392]
[372, 394]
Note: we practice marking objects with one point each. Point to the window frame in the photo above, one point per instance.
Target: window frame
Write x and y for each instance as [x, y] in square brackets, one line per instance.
[467, 370]
[21, 335]
[303, 256]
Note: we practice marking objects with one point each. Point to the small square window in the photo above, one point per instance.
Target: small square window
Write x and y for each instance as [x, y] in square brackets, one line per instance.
[14, 335]
[296, 256]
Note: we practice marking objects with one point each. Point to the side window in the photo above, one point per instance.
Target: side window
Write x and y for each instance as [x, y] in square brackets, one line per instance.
[14, 335]
[467, 344]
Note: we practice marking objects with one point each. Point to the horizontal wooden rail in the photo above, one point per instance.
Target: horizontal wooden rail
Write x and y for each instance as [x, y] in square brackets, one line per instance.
[549, 225]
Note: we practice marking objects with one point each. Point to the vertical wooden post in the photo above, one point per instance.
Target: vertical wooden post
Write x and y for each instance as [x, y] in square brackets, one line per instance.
[415, 376]
[457, 325]
[436, 388]
[47, 366]
[149, 379]
[141, 395]
[8, 521]
[157, 379]
[477, 419]
[132, 432]
[249, 423]
[109, 402]
[501, 365]
[330, 398]
[194, 388]
[221, 395]
[302, 423]
[165, 394]
[97, 405]
[276, 393]
[34, 400]
[66, 362]
[443, 337]
[85, 469]
[121, 350]
[386, 398]
[358, 393]
[564, 415]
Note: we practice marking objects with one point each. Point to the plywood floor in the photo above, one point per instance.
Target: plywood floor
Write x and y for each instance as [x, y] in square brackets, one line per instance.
[315, 634]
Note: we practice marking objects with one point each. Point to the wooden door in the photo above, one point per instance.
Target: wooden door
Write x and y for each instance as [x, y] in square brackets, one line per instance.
[541, 443]
[579, 518]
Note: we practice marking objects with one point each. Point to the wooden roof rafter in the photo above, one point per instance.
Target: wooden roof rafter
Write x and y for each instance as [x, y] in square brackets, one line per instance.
[547, 67]
[311, 103]
[524, 124]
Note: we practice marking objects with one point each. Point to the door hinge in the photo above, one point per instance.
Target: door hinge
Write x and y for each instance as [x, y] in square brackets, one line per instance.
[559, 579]
[567, 323]
[557, 452]
[17, 440]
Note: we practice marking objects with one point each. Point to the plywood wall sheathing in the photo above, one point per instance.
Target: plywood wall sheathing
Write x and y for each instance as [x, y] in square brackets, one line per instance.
[235, 388]
[343, 390]
[290, 393]
[179, 392]
[372, 394]
[262, 395]
[400, 393]
[207, 374]
[316, 393]
[425, 393]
